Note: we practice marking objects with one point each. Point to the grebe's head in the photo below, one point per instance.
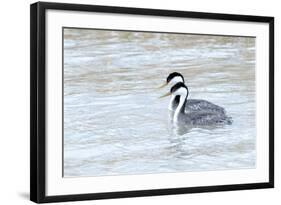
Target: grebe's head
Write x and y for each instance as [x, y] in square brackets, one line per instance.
[173, 78]
[179, 89]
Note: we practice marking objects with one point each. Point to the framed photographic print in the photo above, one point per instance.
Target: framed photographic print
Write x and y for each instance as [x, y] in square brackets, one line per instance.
[129, 102]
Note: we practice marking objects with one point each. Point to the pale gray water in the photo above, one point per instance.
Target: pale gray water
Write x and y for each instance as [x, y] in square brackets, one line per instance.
[114, 123]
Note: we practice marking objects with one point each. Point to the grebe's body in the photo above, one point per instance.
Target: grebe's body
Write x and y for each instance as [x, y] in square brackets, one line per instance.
[194, 105]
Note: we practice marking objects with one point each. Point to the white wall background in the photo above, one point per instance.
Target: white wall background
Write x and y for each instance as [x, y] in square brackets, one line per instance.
[14, 100]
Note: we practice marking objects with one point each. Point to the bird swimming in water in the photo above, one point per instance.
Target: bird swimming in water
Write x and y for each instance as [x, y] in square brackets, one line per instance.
[196, 112]
[194, 105]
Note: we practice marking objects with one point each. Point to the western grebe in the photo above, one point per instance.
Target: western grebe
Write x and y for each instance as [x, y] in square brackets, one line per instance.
[194, 105]
[188, 111]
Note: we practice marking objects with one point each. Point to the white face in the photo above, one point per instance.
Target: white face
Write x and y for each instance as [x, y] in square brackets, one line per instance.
[181, 91]
[175, 80]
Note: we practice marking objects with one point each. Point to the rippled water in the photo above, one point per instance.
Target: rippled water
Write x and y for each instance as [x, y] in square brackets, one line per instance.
[114, 123]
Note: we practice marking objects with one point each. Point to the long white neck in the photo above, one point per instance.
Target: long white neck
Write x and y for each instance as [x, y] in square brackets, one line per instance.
[174, 81]
[179, 107]
[171, 102]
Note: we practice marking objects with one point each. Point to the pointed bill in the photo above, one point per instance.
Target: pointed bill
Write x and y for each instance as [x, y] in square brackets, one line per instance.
[163, 85]
[165, 95]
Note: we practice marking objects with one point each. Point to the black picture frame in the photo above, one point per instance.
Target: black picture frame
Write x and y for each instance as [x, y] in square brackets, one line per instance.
[38, 101]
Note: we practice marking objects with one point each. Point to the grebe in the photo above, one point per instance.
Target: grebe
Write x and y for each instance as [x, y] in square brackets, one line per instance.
[194, 105]
[196, 112]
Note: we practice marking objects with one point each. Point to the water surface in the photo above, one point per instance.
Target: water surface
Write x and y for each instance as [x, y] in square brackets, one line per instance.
[114, 123]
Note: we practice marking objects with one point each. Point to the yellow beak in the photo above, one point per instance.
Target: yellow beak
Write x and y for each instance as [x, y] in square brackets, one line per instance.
[165, 95]
[163, 85]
